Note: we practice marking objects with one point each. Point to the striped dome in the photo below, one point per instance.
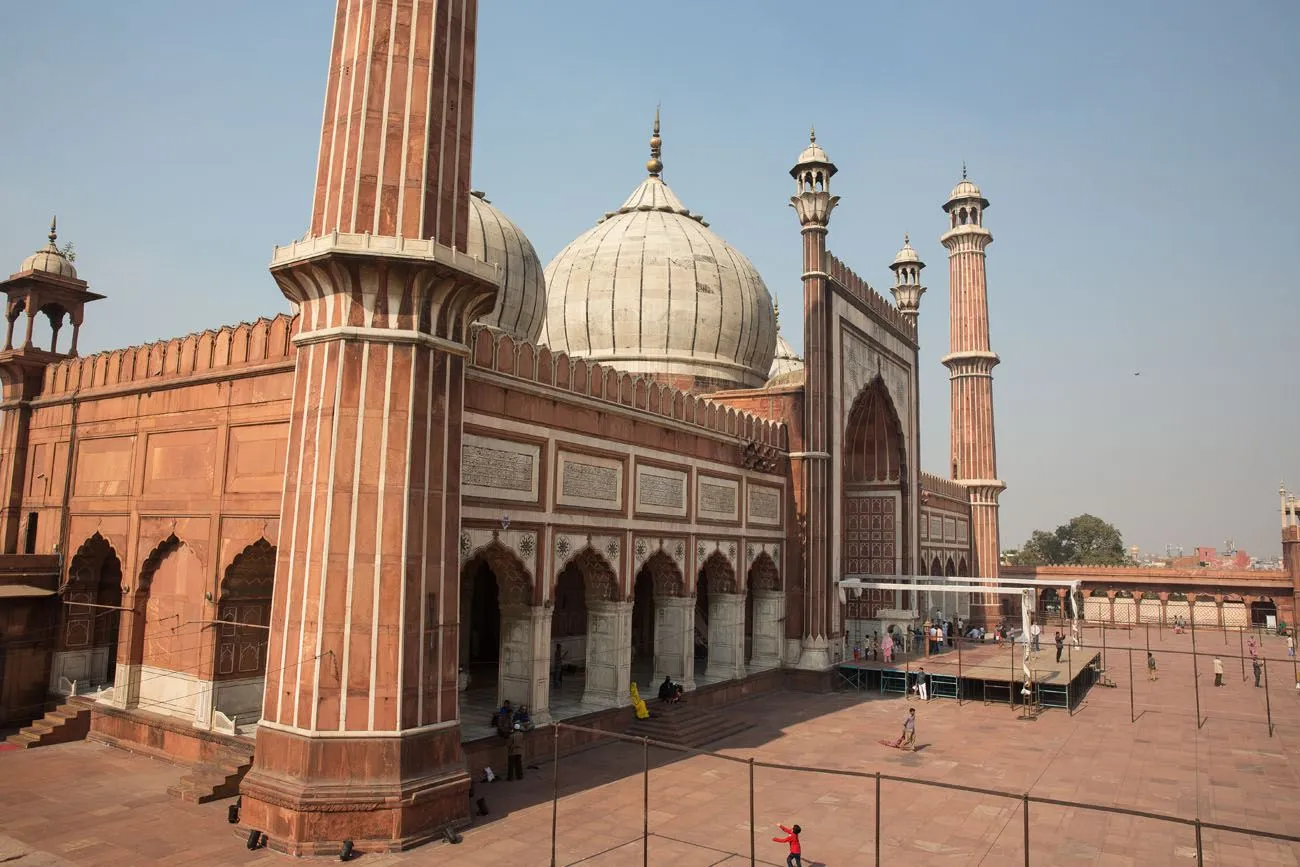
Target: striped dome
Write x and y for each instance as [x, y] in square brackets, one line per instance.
[521, 304]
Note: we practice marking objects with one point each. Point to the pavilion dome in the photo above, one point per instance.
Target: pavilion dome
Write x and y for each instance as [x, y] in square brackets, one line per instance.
[651, 289]
[50, 259]
[787, 366]
[495, 239]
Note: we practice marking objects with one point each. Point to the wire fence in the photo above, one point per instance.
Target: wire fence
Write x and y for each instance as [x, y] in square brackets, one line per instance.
[1021, 827]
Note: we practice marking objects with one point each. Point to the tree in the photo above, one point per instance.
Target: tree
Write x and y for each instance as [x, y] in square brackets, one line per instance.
[1085, 540]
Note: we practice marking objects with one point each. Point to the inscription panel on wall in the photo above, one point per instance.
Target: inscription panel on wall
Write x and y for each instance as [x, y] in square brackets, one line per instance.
[255, 458]
[589, 481]
[717, 499]
[498, 469]
[660, 491]
[764, 505]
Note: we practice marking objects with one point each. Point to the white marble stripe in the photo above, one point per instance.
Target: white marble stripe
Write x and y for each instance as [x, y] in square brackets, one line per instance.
[347, 129]
[456, 203]
[324, 570]
[357, 160]
[406, 114]
[288, 573]
[424, 547]
[383, 126]
[406, 525]
[340, 39]
[352, 536]
[311, 526]
[449, 580]
[379, 530]
[428, 123]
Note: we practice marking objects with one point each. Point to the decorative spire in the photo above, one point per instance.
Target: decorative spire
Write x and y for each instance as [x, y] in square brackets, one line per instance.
[812, 135]
[906, 241]
[655, 165]
[54, 229]
[963, 170]
[776, 313]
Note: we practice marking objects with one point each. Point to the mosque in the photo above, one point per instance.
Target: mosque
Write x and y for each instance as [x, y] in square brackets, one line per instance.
[335, 540]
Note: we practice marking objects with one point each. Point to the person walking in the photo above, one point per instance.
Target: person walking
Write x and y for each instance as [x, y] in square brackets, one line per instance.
[795, 858]
[1035, 631]
[1258, 668]
[922, 682]
[515, 754]
[887, 646]
[907, 740]
[1290, 644]
[1151, 666]
[1218, 671]
[557, 666]
[1060, 644]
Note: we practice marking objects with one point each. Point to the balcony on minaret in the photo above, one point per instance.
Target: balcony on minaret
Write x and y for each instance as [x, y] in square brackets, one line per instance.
[907, 289]
[812, 173]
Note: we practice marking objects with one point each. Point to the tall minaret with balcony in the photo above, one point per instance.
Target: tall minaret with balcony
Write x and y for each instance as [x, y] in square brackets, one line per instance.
[970, 363]
[813, 203]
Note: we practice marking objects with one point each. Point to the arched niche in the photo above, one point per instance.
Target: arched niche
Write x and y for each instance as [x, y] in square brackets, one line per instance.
[86, 653]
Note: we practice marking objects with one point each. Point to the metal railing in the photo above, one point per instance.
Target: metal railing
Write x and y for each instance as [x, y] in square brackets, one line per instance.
[1195, 824]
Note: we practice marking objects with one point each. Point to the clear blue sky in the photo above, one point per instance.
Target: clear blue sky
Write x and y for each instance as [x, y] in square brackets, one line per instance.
[1141, 160]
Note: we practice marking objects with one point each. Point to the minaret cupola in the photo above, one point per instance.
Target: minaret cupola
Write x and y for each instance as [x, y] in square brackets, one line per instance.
[812, 179]
[907, 288]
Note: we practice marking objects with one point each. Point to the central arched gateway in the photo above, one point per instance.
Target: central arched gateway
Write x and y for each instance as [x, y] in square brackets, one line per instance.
[874, 502]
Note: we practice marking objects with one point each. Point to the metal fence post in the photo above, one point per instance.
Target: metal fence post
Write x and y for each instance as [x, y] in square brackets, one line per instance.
[555, 792]
[1196, 672]
[877, 818]
[645, 803]
[1025, 801]
[753, 838]
[1268, 704]
[1132, 714]
[1241, 650]
[1200, 851]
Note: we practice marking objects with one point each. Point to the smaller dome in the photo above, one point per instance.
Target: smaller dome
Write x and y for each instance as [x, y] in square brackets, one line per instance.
[495, 239]
[787, 367]
[966, 189]
[907, 256]
[50, 259]
[813, 153]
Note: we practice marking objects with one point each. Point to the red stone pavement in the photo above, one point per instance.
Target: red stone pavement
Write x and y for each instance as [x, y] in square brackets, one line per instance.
[84, 803]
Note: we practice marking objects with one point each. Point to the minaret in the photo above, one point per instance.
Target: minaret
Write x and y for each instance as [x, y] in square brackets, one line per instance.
[45, 284]
[970, 363]
[813, 203]
[360, 734]
[907, 288]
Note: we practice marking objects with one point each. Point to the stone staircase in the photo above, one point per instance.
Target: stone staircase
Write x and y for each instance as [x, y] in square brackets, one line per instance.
[67, 722]
[687, 725]
[216, 778]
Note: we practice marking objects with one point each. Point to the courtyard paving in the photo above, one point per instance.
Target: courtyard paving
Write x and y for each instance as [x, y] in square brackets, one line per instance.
[84, 803]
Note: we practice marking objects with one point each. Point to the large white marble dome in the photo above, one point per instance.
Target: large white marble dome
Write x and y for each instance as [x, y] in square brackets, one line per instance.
[650, 289]
[493, 238]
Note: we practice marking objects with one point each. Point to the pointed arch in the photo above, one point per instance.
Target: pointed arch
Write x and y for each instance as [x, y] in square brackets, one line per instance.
[84, 568]
[874, 449]
[515, 585]
[244, 609]
[716, 575]
[763, 573]
[950, 568]
[599, 580]
[662, 570]
[936, 568]
[154, 560]
[962, 569]
[251, 573]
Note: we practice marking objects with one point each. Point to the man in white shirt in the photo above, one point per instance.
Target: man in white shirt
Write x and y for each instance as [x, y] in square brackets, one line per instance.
[1034, 631]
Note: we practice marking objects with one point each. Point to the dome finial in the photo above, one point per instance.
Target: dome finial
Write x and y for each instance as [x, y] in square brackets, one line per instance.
[812, 134]
[906, 241]
[776, 314]
[54, 229]
[655, 165]
[963, 170]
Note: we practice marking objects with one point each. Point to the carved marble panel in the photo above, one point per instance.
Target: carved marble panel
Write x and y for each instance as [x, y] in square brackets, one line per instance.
[660, 491]
[589, 481]
[717, 499]
[499, 469]
[763, 505]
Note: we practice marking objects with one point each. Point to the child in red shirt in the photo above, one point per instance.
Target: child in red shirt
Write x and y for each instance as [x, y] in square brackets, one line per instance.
[794, 859]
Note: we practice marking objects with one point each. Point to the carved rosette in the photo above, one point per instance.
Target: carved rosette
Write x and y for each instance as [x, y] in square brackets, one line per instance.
[567, 547]
[645, 547]
[771, 549]
[729, 548]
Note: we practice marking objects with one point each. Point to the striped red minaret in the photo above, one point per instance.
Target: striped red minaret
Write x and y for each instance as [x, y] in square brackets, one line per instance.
[970, 362]
[360, 737]
[399, 110]
[814, 203]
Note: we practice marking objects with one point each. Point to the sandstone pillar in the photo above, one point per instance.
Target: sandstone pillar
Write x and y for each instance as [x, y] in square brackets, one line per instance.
[726, 636]
[769, 617]
[130, 650]
[675, 640]
[609, 653]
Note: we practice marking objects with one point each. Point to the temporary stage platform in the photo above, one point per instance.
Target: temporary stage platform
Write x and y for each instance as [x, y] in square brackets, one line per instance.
[983, 672]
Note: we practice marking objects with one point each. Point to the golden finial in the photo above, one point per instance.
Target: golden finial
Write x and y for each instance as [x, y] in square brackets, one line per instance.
[963, 170]
[906, 241]
[812, 135]
[655, 165]
[54, 229]
[776, 312]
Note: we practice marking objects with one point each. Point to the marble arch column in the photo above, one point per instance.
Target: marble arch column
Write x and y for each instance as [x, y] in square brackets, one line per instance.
[768, 628]
[726, 620]
[674, 621]
[609, 631]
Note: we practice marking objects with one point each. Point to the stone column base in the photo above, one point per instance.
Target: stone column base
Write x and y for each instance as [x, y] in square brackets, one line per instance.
[386, 794]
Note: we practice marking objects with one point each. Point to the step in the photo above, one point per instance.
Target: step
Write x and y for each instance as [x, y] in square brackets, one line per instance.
[215, 779]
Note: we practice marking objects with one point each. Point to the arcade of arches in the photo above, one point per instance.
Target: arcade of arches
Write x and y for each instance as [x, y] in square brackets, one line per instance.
[137, 647]
[511, 637]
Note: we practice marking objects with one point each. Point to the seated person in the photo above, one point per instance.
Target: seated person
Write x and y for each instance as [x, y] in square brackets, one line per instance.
[667, 690]
[522, 719]
[504, 719]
